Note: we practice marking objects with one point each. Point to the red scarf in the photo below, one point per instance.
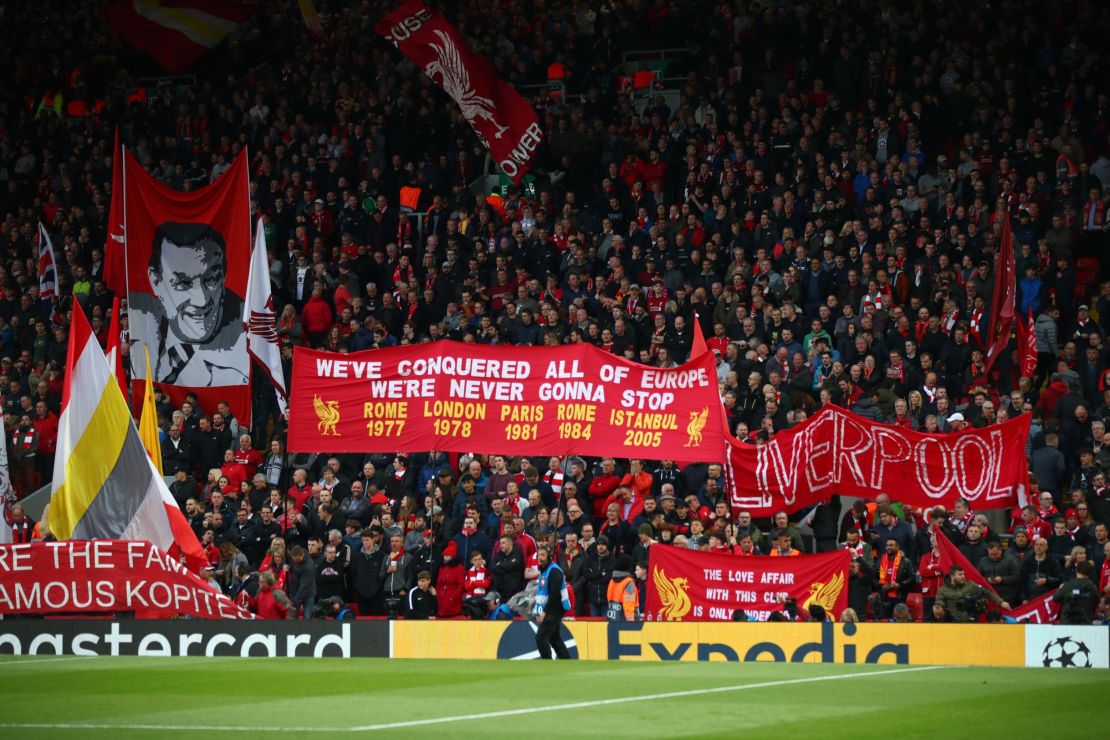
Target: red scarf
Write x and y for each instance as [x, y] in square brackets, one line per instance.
[888, 572]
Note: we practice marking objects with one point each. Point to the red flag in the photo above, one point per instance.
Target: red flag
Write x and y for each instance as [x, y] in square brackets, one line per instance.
[503, 120]
[1027, 341]
[114, 350]
[950, 555]
[114, 265]
[1004, 297]
[1042, 610]
[188, 256]
[699, 347]
[176, 32]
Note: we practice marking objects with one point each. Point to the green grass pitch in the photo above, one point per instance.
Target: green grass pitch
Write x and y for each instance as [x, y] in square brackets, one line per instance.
[217, 697]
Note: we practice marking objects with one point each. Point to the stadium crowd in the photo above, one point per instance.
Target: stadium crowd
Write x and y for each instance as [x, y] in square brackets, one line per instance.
[826, 199]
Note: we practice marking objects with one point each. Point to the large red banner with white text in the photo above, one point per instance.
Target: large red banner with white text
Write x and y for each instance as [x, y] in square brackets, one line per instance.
[105, 576]
[689, 586]
[503, 120]
[188, 255]
[457, 397]
[837, 452]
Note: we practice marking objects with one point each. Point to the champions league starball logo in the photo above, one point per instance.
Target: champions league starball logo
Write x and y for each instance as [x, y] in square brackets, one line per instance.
[1066, 652]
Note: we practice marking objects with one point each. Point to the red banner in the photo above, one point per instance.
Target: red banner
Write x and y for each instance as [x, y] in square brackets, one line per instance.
[690, 586]
[1041, 610]
[105, 576]
[188, 256]
[455, 397]
[837, 452]
[503, 120]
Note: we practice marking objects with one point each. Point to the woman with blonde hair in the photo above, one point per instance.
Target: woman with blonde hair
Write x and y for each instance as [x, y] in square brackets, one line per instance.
[1077, 555]
[916, 406]
[213, 484]
[849, 616]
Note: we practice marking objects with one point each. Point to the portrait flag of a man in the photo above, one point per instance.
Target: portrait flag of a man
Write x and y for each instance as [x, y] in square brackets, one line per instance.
[188, 256]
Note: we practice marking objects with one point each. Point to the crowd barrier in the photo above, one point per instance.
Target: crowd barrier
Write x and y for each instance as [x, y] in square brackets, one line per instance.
[889, 644]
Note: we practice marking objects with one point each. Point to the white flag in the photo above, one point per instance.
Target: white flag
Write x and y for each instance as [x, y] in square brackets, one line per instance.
[5, 488]
[260, 320]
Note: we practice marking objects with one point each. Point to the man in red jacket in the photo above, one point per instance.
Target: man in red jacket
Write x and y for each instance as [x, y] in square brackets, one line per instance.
[270, 603]
[46, 424]
[602, 486]
[316, 316]
[247, 456]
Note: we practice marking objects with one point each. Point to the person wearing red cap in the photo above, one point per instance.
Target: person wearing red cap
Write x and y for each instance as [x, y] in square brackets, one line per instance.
[449, 583]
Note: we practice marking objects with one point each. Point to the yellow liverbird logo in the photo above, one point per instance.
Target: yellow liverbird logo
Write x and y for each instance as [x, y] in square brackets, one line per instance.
[825, 594]
[672, 594]
[697, 423]
[328, 414]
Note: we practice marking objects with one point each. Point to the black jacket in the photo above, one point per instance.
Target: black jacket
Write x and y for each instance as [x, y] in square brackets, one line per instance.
[366, 578]
[507, 572]
[1032, 569]
[249, 539]
[596, 572]
[331, 579]
[826, 520]
[421, 604]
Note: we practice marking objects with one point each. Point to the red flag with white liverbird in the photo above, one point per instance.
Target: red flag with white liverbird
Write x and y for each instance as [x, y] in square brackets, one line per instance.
[503, 120]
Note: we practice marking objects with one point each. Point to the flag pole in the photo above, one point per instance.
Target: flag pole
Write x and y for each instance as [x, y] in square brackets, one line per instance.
[246, 307]
[126, 263]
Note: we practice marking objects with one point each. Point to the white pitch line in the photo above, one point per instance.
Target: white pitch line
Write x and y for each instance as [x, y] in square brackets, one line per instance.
[459, 717]
[629, 699]
[30, 661]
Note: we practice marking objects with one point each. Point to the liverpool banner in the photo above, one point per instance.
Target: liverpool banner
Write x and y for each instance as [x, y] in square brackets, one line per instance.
[188, 257]
[450, 396]
[687, 585]
[837, 452]
[503, 120]
[105, 576]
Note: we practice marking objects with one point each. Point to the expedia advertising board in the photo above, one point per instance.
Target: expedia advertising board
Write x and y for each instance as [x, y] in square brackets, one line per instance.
[201, 638]
[918, 644]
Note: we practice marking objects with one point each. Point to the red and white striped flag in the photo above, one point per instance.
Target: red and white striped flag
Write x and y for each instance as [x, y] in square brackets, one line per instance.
[260, 319]
[176, 32]
[48, 267]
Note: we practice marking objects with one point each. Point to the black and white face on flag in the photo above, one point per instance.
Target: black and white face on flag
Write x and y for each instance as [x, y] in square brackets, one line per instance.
[187, 263]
